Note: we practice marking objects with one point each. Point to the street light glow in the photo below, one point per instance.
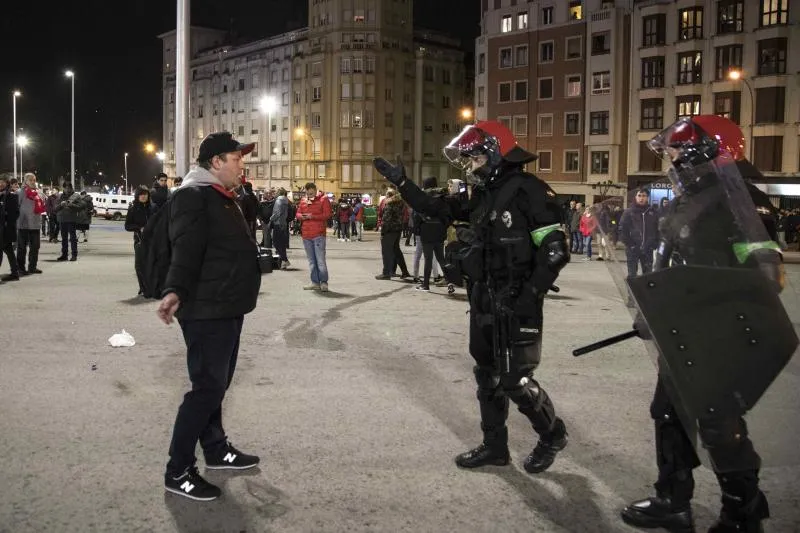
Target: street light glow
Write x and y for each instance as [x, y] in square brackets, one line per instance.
[69, 74]
[22, 140]
[161, 156]
[267, 104]
[466, 113]
[300, 132]
[149, 148]
[17, 94]
[735, 75]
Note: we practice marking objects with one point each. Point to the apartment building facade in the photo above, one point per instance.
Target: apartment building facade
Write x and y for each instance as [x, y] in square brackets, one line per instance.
[556, 72]
[323, 101]
[726, 57]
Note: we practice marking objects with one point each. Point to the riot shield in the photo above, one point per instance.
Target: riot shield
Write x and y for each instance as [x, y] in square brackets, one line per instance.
[707, 294]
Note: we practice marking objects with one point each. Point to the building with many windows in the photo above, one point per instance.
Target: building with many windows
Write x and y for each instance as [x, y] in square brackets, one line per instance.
[556, 72]
[323, 101]
[726, 57]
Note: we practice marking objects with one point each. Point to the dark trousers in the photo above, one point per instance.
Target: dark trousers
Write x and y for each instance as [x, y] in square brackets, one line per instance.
[280, 239]
[28, 240]
[636, 256]
[577, 242]
[429, 249]
[736, 462]
[8, 249]
[68, 232]
[52, 228]
[500, 380]
[391, 253]
[212, 349]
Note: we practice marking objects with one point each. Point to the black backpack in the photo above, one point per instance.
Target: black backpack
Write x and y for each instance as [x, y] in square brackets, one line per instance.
[154, 252]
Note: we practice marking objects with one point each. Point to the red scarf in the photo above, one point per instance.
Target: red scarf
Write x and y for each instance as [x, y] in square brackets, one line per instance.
[38, 204]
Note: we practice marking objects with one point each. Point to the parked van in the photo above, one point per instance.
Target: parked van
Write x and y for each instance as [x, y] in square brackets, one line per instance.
[99, 202]
[112, 206]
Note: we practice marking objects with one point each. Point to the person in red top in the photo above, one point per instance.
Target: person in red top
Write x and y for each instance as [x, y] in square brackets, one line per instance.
[314, 211]
[587, 227]
[345, 210]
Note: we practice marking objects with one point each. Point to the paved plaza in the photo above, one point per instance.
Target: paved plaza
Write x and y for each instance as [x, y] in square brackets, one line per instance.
[356, 400]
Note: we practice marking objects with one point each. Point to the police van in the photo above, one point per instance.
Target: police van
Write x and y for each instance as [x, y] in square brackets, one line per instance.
[112, 206]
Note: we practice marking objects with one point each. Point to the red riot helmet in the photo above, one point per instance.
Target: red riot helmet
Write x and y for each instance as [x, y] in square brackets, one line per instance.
[486, 138]
[692, 143]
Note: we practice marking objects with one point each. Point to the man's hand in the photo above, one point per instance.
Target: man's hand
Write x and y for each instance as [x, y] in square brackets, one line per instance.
[394, 173]
[166, 309]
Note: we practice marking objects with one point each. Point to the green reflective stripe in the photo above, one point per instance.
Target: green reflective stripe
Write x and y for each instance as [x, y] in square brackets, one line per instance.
[744, 249]
[539, 234]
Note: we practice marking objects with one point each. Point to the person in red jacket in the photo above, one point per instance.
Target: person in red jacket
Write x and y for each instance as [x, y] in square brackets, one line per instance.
[588, 226]
[343, 214]
[314, 211]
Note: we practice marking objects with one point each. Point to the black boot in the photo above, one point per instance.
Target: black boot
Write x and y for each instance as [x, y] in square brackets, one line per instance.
[493, 451]
[494, 411]
[543, 455]
[659, 511]
[742, 510]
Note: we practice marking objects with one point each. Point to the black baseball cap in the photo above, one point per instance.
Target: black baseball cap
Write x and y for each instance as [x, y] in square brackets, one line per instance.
[222, 142]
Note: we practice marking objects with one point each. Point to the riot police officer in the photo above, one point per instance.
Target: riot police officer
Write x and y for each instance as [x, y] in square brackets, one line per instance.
[701, 229]
[514, 254]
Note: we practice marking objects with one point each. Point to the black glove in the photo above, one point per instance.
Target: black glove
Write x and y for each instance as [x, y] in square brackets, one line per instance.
[394, 173]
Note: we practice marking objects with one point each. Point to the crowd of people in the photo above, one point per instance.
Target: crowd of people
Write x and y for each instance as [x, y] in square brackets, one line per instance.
[28, 213]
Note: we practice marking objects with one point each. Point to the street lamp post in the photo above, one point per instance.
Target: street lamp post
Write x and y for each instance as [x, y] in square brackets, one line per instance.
[14, 96]
[305, 133]
[268, 105]
[71, 76]
[736, 75]
[126, 173]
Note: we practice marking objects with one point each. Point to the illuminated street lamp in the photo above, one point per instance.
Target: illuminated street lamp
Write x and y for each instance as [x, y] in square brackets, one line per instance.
[126, 173]
[467, 113]
[160, 156]
[149, 148]
[737, 75]
[14, 96]
[268, 106]
[71, 75]
[22, 142]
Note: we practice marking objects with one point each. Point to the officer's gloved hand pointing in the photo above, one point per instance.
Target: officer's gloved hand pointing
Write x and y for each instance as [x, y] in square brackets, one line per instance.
[394, 173]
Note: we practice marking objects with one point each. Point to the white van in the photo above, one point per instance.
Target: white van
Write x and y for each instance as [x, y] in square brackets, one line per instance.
[99, 202]
[113, 206]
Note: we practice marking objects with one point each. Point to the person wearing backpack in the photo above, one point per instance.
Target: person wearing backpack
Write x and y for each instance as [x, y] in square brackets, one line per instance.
[138, 213]
[212, 282]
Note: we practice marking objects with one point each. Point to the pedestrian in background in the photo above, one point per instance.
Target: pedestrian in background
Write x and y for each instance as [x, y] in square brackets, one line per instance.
[138, 214]
[279, 222]
[69, 211]
[638, 231]
[9, 212]
[314, 212]
[29, 223]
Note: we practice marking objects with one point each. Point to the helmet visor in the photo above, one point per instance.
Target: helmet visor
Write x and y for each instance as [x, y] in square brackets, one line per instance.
[467, 144]
[672, 141]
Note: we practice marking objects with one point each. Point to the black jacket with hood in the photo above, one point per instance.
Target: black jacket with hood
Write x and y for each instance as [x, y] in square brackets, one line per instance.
[214, 266]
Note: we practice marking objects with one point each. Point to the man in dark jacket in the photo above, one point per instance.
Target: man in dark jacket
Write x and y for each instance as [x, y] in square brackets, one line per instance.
[391, 230]
[138, 214]
[70, 210]
[9, 212]
[160, 193]
[249, 205]
[265, 208]
[638, 231]
[432, 233]
[212, 282]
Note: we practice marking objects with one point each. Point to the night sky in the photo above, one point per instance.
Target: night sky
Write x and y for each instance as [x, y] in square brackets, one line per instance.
[113, 49]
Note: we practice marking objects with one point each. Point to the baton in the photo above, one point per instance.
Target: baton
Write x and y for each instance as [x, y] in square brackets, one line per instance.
[605, 342]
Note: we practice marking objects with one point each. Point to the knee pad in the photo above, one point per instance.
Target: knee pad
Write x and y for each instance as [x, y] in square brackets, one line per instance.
[488, 381]
[728, 444]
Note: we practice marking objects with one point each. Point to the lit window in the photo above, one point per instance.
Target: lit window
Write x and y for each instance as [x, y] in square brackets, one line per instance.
[506, 24]
[575, 10]
[573, 85]
[601, 82]
[522, 21]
